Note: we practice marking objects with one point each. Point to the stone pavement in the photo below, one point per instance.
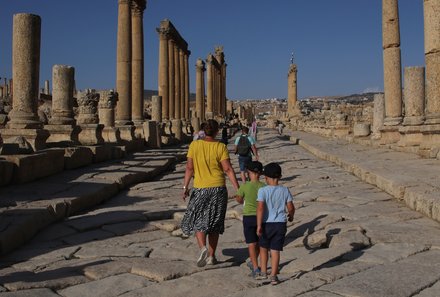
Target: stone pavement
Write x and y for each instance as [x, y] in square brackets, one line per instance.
[348, 238]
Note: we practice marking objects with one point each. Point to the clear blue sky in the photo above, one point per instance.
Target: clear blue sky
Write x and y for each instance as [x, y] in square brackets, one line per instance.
[337, 43]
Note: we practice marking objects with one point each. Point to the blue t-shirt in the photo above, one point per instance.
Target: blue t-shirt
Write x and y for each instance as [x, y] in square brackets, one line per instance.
[275, 199]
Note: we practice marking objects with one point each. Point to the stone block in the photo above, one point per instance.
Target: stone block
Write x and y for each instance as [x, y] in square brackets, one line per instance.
[31, 167]
[361, 130]
[152, 134]
[6, 170]
[10, 149]
[101, 153]
[75, 157]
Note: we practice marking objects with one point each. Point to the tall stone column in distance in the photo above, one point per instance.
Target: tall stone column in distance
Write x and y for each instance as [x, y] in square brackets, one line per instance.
[221, 80]
[156, 109]
[137, 62]
[210, 84]
[182, 82]
[392, 63]
[414, 96]
[177, 94]
[292, 94]
[163, 79]
[200, 100]
[171, 79]
[378, 116]
[46, 87]
[123, 63]
[24, 121]
[186, 76]
[431, 11]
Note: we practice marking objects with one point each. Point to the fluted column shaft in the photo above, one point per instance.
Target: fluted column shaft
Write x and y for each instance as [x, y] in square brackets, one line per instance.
[123, 63]
[186, 76]
[431, 11]
[210, 85]
[137, 62]
[177, 90]
[392, 62]
[182, 82]
[171, 79]
[163, 73]
[200, 68]
[25, 71]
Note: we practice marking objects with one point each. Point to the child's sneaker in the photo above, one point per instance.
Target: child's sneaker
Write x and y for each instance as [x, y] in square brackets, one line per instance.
[274, 280]
[211, 260]
[201, 261]
[260, 275]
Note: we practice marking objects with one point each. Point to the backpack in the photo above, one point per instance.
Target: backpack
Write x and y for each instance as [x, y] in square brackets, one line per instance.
[243, 146]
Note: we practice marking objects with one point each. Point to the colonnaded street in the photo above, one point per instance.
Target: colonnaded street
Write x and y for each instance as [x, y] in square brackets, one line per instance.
[348, 238]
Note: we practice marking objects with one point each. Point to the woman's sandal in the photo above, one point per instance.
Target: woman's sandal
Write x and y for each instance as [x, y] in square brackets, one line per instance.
[274, 280]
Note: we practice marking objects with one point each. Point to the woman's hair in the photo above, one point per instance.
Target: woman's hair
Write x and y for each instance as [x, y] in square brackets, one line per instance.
[211, 127]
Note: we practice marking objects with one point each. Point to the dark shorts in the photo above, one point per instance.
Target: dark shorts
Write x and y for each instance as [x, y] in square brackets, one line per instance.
[242, 160]
[273, 236]
[250, 229]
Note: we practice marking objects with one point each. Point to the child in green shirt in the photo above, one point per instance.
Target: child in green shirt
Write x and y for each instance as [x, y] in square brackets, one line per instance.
[247, 195]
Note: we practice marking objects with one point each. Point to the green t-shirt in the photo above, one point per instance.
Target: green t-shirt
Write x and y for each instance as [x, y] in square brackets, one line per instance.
[249, 192]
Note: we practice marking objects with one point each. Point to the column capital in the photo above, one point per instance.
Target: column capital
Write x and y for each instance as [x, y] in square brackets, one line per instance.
[124, 1]
[200, 65]
[164, 33]
[292, 69]
[138, 7]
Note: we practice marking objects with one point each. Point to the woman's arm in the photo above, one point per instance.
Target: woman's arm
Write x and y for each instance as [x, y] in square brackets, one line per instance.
[189, 172]
[227, 168]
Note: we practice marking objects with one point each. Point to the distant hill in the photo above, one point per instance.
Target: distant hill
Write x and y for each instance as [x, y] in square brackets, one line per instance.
[149, 93]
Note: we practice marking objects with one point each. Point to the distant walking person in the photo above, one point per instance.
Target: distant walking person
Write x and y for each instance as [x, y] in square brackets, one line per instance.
[280, 127]
[208, 161]
[244, 147]
[254, 129]
[273, 200]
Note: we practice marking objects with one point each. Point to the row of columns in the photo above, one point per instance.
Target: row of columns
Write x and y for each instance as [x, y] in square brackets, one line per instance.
[6, 89]
[129, 62]
[173, 74]
[420, 107]
[216, 84]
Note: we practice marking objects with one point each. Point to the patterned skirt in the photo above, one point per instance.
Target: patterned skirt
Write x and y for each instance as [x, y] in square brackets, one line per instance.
[206, 211]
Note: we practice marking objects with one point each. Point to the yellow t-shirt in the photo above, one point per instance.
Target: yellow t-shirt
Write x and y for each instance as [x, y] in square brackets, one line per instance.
[206, 156]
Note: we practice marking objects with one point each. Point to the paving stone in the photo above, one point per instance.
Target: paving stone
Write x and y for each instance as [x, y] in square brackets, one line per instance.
[109, 268]
[166, 225]
[30, 293]
[110, 286]
[97, 220]
[88, 236]
[431, 291]
[335, 270]
[96, 251]
[396, 279]
[129, 227]
[353, 238]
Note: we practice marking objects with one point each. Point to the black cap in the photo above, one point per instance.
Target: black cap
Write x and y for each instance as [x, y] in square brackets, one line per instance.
[272, 170]
[254, 166]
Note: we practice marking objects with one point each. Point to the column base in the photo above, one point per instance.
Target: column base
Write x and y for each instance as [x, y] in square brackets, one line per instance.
[36, 138]
[432, 119]
[139, 130]
[152, 134]
[413, 120]
[392, 121]
[91, 134]
[389, 134]
[66, 134]
[126, 132]
[111, 135]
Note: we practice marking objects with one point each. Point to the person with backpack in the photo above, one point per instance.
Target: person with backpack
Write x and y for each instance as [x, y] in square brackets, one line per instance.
[244, 147]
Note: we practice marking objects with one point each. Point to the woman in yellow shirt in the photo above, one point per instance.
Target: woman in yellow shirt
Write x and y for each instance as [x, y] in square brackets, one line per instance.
[208, 161]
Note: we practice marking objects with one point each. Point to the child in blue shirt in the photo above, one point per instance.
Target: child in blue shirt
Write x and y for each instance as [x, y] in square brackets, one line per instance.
[271, 218]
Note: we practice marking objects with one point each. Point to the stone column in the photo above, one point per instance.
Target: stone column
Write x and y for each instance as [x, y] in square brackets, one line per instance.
[200, 69]
[177, 94]
[292, 90]
[163, 85]
[431, 10]
[182, 82]
[24, 121]
[62, 95]
[414, 95]
[123, 63]
[137, 62]
[186, 76]
[25, 71]
[171, 79]
[88, 121]
[156, 113]
[106, 112]
[391, 62]
[46, 87]
[2, 92]
[378, 115]
[176, 128]
[210, 85]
